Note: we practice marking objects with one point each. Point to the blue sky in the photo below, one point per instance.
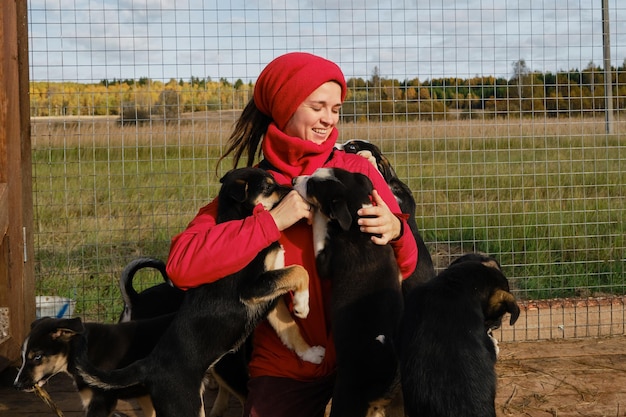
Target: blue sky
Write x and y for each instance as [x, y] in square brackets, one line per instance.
[90, 40]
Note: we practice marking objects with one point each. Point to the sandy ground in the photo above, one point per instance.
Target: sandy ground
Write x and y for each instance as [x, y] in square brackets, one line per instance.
[565, 377]
[562, 358]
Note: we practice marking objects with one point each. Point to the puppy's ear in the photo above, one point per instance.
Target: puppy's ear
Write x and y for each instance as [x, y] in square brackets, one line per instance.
[340, 212]
[68, 328]
[36, 322]
[492, 263]
[364, 182]
[238, 190]
[503, 301]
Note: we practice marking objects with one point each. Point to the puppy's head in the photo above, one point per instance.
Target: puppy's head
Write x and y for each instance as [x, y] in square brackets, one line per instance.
[45, 350]
[484, 275]
[369, 150]
[249, 187]
[336, 193]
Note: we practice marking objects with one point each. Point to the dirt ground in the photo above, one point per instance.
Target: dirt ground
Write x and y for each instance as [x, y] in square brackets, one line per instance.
[566, 377]
[556, 378]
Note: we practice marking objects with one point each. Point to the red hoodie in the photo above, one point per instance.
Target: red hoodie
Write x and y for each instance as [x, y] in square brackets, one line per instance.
[206, 251]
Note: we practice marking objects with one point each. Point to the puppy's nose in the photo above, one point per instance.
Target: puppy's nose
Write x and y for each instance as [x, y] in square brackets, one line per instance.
[19, 385]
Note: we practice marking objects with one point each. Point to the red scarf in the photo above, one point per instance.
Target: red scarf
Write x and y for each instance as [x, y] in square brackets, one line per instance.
[291, 156]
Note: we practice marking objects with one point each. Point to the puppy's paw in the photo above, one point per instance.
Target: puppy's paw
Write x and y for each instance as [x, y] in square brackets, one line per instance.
[301, 304]
[314, 354]
[368, 155]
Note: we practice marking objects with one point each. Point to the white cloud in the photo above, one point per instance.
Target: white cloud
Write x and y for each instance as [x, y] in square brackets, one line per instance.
[87, 40]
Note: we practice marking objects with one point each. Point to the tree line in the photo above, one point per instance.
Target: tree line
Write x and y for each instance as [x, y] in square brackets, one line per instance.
[526, 93]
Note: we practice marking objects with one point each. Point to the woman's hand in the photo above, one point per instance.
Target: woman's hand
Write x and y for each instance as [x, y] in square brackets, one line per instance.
[290, 210]
[383, 224]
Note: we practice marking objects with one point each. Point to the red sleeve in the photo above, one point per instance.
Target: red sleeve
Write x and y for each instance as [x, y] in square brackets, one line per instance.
[206, 251]
[404, 246]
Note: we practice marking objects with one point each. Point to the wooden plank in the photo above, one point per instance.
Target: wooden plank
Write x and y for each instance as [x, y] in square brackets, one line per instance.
[16, 248]
[4, 209]
[4, 105]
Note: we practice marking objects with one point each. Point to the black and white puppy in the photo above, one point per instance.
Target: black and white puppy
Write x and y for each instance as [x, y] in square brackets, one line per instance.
[214, 318]
[366, 303]
[447, 357]
[425, 269]
[154, 301]
[53, 344]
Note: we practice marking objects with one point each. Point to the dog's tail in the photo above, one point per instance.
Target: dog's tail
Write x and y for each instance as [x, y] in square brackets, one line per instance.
[129, 294]
[110, 379]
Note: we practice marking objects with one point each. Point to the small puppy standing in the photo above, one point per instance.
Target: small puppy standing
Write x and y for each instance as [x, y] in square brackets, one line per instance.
[214, 318]
[447, 356]
[366, 303]
[53, 344]
[230, 373]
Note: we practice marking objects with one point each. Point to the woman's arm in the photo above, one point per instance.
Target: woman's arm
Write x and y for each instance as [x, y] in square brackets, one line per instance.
[206, 251]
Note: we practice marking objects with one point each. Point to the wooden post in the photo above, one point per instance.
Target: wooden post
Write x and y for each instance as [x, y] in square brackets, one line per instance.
[17, 284]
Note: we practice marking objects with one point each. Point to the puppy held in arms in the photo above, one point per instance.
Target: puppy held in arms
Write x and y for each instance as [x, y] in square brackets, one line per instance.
[366, 300]
[447, 354]
[214, 318]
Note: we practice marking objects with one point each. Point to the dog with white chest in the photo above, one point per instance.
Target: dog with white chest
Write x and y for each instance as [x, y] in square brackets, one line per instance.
[366, 301]
[401, 191]
[447, 354]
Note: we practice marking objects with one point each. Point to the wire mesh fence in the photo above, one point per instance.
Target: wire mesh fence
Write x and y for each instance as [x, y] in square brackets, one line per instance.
[495, 114]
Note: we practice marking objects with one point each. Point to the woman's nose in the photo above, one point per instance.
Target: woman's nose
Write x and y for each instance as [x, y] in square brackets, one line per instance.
[328, 117]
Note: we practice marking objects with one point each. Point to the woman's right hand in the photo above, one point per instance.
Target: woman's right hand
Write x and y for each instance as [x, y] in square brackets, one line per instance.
[290, 210]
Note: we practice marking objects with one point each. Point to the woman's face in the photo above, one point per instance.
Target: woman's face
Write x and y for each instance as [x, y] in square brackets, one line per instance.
[318, 114]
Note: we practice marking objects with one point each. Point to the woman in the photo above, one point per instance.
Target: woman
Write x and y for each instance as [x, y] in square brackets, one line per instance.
[293, 116]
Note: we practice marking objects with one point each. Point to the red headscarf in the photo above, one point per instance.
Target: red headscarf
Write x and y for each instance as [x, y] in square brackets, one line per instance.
[280, 89]
[289, 79]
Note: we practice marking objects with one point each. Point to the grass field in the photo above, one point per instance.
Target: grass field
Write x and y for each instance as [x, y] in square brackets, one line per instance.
[546, 197]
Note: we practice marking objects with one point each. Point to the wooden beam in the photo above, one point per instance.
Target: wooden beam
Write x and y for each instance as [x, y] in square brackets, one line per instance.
[4, 209]
[16, 247]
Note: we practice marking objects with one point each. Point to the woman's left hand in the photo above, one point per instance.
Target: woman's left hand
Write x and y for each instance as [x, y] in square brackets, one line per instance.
[383, 224]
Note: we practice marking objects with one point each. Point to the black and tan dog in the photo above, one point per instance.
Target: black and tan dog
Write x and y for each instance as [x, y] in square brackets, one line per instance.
[446, 353]
[229, 375]
[154, 301]
[425, 269]
[214, 318]
[53, 344]
[366, 303]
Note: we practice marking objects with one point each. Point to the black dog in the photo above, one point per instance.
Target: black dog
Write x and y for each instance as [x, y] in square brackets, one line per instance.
[157, 300]
[229, 375]
[447, 355]
[214, 318]
[425, 269]
[53, 344]
[366, 303]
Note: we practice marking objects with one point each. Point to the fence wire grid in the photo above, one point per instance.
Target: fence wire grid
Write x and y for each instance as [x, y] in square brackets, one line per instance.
[506, 119]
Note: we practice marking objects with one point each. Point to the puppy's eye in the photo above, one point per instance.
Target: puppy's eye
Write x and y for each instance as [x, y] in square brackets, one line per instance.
[268, 188]
[38, 357]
